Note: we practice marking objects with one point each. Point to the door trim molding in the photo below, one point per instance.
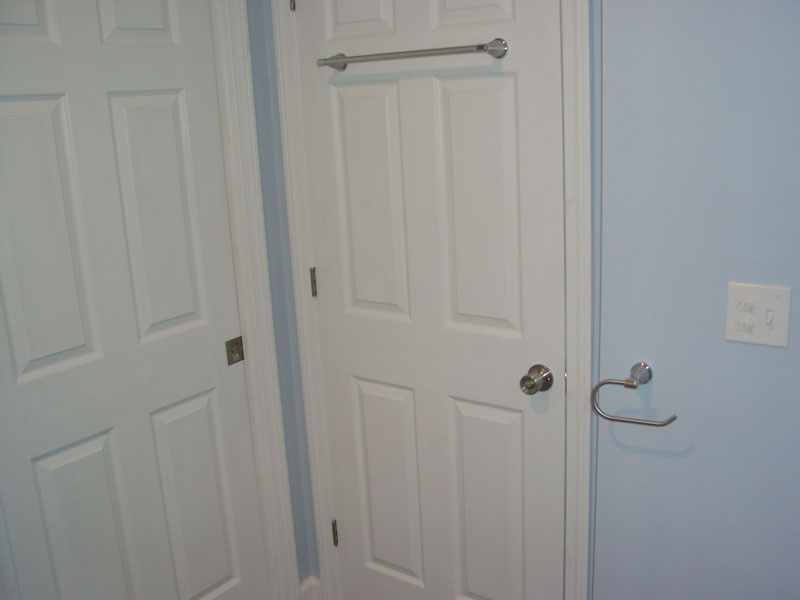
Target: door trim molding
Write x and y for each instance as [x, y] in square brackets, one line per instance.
[298, 208]
[576, 90]
[243, 183]
[578, 264]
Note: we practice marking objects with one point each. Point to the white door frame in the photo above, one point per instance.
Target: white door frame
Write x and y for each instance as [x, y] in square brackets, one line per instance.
[243, 183]
[577, 214]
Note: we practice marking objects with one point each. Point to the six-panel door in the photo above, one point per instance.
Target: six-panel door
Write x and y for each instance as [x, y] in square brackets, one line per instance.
[436, 195]
[126, 465]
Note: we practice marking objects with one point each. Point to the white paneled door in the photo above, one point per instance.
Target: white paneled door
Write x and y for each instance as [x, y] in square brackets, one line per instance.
[437, 209]
[126, 462]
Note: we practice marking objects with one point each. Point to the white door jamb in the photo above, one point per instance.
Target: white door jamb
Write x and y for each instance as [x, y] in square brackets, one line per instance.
[298, 207]
[240, 152]
[576, 82]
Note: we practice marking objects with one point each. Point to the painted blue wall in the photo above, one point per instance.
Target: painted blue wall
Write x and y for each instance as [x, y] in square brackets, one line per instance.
[280, 277]
[700, 185]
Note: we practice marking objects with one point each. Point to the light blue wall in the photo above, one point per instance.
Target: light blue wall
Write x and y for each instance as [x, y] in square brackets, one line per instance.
[280, 276]
[701, 185]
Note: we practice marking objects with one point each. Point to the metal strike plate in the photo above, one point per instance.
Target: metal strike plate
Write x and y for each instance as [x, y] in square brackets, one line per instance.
[235, 350]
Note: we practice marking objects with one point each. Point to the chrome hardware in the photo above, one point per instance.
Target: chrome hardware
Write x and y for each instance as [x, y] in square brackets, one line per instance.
[497, 48]
[538, 379]
[641, 373]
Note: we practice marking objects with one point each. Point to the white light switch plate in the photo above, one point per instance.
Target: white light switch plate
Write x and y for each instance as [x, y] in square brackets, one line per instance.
[758, 314]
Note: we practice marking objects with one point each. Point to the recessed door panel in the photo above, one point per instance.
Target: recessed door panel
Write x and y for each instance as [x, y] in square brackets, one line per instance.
[458, 12]
[138, 21]
[157, 185]
[488, 451]
[390, 478]
[194, 495]
[347, 18]
[24, 21]
[45, 287]
[371, 192]
[84, 522]
[481, 196]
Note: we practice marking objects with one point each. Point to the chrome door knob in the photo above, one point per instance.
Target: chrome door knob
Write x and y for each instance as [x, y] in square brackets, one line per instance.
[538, 379]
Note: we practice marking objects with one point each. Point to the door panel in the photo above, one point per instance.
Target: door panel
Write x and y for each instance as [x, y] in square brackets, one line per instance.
[488, 449]
[138, 21]
[389, 476]
[79, 496]
[428, 179]
[348, 18]
[156, 184]
[368, 141]
[50, 321]
[478, 157]
[126, 464]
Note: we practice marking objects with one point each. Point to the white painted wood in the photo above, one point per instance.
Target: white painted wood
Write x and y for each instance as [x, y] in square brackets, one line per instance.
[194, 482]
[388, 468]
[157, 186]
[293, 125]
[144, 481]
[52, 322]
[29, 21]
[575, 36]
[462, 12]
[480, 180]
[79, 492]
[376, 255]
[348, 18]
[240, 150]
[310, 589]
[423, 185]
[489, 454]
[142, 22]
[8, 578]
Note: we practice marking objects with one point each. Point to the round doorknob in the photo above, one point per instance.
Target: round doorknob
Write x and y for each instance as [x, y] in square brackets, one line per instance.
[538, 379]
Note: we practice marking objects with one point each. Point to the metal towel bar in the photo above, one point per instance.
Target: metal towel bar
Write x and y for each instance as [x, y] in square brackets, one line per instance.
[497, 48]
[640, 374]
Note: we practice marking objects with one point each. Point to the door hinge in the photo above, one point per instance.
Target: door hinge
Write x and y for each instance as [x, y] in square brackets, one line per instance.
[313, 271]
[292, 5]
[335, 532]
[235, 350]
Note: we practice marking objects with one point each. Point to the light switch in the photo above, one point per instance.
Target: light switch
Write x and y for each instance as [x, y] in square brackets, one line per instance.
[758, 314]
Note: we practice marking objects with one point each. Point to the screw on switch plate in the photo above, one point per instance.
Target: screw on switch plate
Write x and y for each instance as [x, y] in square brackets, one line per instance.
[758, 314]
